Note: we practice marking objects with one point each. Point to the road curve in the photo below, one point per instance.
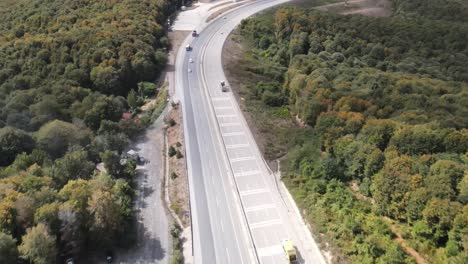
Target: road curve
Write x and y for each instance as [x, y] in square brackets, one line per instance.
[237, 212]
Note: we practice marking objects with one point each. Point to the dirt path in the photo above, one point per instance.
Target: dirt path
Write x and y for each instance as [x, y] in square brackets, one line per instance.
[394, 227]
[152, 243]
[402, 242]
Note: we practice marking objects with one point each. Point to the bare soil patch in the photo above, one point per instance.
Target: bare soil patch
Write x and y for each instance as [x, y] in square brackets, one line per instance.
[176, 38]
[218, 5]
[178, 181]
[274, 130]
[221, 11]
[379, 8]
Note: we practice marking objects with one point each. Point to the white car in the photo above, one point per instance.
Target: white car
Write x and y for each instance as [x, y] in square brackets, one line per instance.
[190, 60]
[189, 70]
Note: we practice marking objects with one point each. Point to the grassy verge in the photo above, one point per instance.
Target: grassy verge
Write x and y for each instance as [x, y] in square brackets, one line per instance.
[274, 128]
[161, 101]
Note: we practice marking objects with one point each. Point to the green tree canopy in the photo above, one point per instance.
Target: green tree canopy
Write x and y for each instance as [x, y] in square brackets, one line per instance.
[13, 142]
[73, 165]
[55, 137]
[8, 250]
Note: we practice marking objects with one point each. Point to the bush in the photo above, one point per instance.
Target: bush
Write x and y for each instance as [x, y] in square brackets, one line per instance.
[147, 89]
[172, 122]
[272, 98]
[172, 151]
[177, 255]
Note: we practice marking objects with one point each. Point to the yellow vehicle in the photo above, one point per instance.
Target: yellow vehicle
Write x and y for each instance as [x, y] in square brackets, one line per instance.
[289, 250]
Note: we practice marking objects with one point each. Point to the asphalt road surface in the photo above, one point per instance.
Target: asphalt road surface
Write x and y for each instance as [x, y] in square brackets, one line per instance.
[237, 211]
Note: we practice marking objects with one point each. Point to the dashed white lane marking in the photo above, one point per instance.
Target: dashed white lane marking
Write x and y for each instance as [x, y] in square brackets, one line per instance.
[237, 146]
[231, 134]
[222, 116]
[229, 124]
[242, 159]
[270, 251]
[265, 223]
[246, 173]
[220, 98]
[228, 256]
[259, 207]
[255, 191]
[222, 107]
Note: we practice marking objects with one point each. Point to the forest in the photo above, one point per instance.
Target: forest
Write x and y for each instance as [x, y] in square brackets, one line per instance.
[379, 108]
[69, 69]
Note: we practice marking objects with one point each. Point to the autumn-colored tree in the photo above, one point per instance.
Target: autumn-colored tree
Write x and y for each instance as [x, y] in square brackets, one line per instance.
[107, 216]
[24, 208]
[48, 214]
[7, 216]
[77, 193]
[391, 185]
[38, 245]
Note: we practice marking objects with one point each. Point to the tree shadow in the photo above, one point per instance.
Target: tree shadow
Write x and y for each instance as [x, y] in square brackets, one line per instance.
[144, 248]
[170, 68]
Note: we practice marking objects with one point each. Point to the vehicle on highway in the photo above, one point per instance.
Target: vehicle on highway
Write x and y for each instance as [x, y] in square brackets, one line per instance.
[132, 154]
[289, 250]
[190, 60]
[109, 256]
[69, 261]
[188, 47]
[194, 33]
[223, 86]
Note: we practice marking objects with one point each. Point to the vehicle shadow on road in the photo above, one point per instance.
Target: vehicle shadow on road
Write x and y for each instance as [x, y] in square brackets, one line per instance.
[300, 259]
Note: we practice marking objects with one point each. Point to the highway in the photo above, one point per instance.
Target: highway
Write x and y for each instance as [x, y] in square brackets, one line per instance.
[238, 215]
